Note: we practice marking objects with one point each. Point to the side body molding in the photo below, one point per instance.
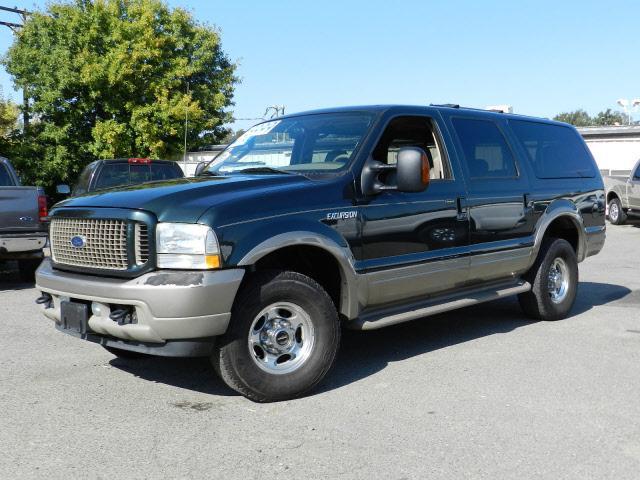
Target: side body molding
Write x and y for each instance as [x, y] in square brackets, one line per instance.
[557, 209]
[350, 282]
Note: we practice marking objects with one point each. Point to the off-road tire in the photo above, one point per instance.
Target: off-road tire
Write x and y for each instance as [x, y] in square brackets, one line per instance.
[27, 269]
[616, 206]
[232, 357]
[537, 302]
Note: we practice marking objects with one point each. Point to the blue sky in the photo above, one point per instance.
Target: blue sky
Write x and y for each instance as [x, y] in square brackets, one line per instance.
[541, 56]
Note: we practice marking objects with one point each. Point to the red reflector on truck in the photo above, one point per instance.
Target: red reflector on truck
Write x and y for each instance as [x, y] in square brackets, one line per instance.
[144, 161]
[43, 211]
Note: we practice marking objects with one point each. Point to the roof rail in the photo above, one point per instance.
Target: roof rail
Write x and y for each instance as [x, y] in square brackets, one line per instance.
[455, 105]
[448, 105]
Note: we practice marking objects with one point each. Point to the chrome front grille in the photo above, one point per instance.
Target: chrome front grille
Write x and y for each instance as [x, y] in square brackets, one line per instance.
[91, 243]
[142, 243]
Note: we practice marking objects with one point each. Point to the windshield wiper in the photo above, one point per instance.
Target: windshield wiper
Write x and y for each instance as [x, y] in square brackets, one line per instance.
[209, 173]
[262, 170]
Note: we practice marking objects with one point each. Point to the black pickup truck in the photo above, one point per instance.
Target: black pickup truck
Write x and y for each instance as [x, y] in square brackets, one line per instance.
[360, 217]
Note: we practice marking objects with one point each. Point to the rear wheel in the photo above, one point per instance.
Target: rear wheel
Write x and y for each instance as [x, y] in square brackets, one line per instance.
[617, 215]
[282, 340]
[554, 282]
[27, 269]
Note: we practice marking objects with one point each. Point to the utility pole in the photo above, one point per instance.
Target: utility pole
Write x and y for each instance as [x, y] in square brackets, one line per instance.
[186, 123]
[14, 27]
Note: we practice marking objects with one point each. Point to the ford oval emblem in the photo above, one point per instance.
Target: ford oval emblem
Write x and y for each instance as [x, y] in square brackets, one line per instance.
[78, 241]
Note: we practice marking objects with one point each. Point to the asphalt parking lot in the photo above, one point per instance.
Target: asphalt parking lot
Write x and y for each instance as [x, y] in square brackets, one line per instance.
[477, 393]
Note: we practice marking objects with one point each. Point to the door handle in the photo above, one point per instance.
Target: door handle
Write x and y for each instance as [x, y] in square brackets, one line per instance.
[463, 215]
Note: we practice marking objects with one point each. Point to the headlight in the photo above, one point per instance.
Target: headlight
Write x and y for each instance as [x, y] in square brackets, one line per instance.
[186, 246]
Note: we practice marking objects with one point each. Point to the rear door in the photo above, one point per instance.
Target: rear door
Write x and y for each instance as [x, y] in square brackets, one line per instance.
[501, 221]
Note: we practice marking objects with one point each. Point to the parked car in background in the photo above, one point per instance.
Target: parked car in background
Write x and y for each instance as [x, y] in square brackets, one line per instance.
[363, 217]
[104, 174]
[23, 221]
[623, 196]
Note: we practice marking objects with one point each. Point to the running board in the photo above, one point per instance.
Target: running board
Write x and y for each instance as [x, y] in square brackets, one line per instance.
[384, 317]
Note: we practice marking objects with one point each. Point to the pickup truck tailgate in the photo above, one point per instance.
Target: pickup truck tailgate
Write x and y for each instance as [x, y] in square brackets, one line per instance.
[19, 209]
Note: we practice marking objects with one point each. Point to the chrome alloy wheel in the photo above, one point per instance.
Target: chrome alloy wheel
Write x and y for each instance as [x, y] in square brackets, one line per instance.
[281, 338]
[558, 280]
[614, 212]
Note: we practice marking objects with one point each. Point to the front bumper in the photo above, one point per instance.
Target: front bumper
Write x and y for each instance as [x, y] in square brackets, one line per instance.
[169, 304]
[18, 244]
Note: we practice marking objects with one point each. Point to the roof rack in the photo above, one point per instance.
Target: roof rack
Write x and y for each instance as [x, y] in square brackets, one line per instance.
[448, 105]
[455, 105]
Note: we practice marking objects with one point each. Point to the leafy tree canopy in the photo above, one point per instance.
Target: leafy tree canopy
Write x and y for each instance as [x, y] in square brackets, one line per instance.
[109, 78]
[610, 117]
[580, 118]
[8, 117]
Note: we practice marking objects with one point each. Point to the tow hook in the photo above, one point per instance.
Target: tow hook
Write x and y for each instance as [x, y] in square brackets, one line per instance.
[45, 299]
[123, 316]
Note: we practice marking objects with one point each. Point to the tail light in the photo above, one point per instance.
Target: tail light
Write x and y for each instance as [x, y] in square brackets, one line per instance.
[43, 211]
[143, 161]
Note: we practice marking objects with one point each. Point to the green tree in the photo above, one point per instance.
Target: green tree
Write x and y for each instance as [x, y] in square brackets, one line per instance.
[579, 118]
[8, 117]
[610, 117]
[110, 78]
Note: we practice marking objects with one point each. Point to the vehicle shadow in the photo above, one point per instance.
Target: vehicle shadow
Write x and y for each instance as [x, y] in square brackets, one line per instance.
[364, 353]
[194, 374]
[10, 279]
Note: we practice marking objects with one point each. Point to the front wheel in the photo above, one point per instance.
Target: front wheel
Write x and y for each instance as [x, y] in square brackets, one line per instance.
[617, 215]
[282, 340]
[554, 282]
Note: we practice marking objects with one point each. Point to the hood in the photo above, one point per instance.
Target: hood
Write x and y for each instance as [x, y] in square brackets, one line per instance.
[185, 199]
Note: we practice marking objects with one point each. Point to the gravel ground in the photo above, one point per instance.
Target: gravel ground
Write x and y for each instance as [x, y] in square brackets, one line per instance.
[477, 393]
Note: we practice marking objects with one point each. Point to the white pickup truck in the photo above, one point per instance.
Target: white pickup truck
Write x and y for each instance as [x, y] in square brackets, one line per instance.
[623, 196]
[23, 228]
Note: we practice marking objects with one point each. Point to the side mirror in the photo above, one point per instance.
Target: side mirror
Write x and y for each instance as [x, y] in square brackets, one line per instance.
[412, 170]
[200, 168]
[63, 189]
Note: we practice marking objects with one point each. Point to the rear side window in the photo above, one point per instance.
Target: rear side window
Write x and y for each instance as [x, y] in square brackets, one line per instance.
[554, 151]
[485, 149]
[5, 178]
[113, 175]
[165, 171]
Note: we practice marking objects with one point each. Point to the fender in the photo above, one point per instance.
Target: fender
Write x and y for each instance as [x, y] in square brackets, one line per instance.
[619, 192]
[338, 248]
[560, 208]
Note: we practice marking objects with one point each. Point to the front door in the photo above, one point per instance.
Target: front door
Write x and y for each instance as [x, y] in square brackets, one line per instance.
[633, 189]
[414, 244]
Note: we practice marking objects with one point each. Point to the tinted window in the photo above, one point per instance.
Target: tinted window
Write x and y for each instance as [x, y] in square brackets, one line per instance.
[554, 151]
[113, 175]
[165, 171]
[485, 149]
[5, 179]
[139, 174]
[637, 174]
[83, 181]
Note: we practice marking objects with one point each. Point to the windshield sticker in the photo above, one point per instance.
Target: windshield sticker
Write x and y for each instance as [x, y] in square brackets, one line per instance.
[260, 129]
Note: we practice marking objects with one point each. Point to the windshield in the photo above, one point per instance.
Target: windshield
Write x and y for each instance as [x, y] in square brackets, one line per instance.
[305, 144]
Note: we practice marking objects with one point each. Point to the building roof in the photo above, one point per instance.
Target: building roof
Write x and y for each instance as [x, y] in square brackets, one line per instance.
[610, 132]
